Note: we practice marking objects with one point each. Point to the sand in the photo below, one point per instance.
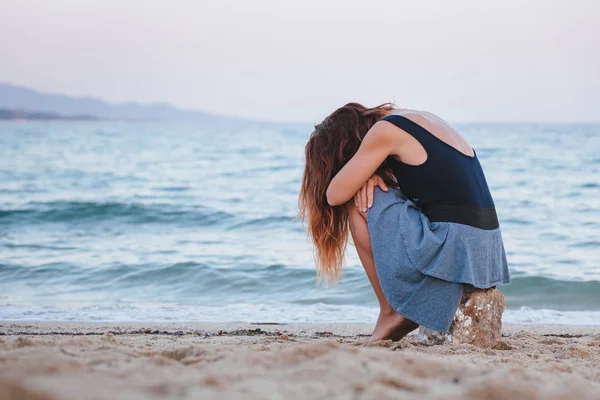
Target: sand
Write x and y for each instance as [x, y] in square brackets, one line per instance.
[301, 361]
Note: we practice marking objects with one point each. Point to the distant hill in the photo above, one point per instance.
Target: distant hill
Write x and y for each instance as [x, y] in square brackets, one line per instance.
[41, 116]
[20, 98]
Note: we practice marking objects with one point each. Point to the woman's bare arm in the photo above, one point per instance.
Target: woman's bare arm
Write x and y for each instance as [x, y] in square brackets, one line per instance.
[377, 145]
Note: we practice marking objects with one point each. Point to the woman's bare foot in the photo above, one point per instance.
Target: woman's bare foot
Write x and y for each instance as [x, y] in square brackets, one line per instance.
[391, 326]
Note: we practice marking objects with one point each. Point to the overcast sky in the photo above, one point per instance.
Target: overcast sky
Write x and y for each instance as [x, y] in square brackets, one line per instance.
[466, 60]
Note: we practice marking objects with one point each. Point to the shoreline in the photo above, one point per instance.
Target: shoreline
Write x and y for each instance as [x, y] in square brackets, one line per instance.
[67, 360]
[339, 329]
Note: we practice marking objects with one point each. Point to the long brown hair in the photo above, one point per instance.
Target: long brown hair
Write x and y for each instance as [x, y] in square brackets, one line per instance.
[333, 142]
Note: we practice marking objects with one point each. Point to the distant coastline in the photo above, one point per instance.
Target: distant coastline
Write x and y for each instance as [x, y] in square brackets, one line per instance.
[26, 115]
[21, 103]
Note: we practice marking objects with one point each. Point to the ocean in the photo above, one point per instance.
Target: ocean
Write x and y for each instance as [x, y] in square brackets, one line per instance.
[151, 221]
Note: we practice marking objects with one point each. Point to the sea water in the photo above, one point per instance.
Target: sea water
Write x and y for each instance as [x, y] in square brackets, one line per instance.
[151, 221]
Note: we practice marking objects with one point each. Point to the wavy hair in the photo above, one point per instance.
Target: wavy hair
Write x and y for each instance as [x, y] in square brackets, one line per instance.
[333, 142]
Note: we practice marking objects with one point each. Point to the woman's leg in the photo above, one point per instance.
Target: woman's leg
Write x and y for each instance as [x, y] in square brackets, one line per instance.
[390, 324]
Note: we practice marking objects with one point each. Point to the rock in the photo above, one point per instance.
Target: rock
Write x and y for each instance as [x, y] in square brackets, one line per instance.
[478, 321]
[430, 337]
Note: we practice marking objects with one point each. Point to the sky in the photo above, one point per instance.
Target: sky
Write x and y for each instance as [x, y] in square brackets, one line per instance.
[465, 60]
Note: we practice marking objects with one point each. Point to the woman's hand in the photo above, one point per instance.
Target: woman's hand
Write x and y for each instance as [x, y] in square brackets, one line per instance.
[363, 199]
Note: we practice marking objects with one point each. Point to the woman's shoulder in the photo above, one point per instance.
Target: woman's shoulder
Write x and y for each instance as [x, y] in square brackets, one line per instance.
[439, 128]
[385, 131]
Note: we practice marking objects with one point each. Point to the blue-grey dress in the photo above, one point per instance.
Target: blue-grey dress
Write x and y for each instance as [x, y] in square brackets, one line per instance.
[443, 240]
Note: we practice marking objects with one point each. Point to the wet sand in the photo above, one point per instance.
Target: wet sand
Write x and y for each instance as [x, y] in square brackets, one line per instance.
[299, 361]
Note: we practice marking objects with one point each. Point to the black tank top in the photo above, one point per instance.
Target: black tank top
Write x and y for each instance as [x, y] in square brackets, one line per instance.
[449, 186]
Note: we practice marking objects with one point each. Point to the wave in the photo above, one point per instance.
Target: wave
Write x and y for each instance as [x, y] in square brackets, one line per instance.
[133, 213]
[190, 282]
[195, 282]
[541, 292]
[137, 213]
[278, 220]
[585, 244]
[517, 221]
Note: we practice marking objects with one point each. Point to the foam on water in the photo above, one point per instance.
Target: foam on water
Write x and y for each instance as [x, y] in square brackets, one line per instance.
[255, 313]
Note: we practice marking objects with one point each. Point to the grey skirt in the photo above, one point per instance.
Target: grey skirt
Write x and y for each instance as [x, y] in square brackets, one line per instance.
[423, 266]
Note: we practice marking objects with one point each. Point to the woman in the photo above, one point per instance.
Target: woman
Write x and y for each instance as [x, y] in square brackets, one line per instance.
[424, 240]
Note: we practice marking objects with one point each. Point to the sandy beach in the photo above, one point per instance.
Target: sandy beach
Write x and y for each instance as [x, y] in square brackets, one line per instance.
[190, 361]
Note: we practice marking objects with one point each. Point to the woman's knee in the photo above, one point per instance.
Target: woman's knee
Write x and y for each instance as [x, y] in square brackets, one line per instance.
[359, 228]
